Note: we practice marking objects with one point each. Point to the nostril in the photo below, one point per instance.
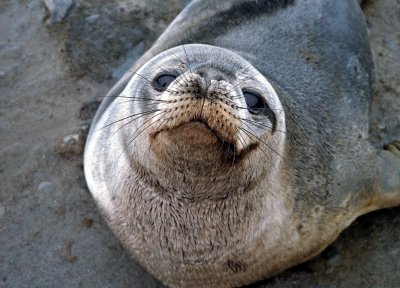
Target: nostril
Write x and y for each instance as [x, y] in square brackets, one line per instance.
[208, 77]
[219, 78]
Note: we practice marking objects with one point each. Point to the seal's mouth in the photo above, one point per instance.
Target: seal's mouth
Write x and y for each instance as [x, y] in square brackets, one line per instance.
[197, 141]
[198, 126]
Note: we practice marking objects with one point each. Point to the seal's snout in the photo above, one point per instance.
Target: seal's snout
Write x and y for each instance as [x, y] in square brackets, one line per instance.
[199, 120]
[190, 98]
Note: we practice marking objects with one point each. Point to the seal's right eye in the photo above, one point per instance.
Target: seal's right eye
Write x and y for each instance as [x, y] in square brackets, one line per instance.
[161, 82]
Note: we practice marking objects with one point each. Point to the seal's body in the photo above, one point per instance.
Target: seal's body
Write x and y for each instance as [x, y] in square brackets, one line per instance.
[237, 146]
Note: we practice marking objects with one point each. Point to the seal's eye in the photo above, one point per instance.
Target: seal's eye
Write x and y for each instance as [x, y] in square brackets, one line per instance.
[161, 82]
[255, 103]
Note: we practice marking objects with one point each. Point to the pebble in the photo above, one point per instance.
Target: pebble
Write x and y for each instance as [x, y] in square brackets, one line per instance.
[45, 185]
[92, 18]
[72, 144]
[71, 138]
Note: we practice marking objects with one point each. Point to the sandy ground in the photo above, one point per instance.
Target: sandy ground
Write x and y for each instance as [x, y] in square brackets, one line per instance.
[52, 75]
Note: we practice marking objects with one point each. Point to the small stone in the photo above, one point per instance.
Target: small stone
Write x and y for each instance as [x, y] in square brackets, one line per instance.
[87, 222]
[45, 185]
[58, 9]
[92, 18]
[381, 126]
[71, 138]
[72, 144]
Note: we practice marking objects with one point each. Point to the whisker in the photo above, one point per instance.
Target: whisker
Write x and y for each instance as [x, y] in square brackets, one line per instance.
[158, 127]
[244, 69]
[177, 82]
[263, 126]
[164, 102]
[251, 137]
[136, 73]
[133, 115]
[221, 148]
[130, 121]
[182, 62]
[234, 87]
[242, 141]
[138, 134]
[138, 99]
[241, 82]
[245, 108]
[187, 58]
[181, 70]
[249, 133]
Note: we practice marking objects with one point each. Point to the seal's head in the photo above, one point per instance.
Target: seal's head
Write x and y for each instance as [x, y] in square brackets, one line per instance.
[184, 164]
[203, 111]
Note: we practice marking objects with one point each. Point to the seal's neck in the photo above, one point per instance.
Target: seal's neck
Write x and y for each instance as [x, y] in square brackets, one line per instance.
[184, 184]
[186, 224]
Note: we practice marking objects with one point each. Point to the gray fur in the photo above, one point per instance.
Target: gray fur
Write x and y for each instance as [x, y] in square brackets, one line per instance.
[317, 57]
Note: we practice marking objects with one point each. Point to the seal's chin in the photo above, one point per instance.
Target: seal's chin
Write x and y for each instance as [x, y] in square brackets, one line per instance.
[194, 144]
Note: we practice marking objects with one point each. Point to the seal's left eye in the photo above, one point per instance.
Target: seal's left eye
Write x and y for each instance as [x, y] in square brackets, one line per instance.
[255, 103]
[162, 82]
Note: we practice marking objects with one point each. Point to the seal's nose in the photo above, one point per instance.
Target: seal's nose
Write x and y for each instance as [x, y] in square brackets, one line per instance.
[210, 74]
[199, 84]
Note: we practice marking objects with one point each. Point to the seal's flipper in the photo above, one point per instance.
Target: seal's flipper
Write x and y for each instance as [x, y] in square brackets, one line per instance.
[389, 167]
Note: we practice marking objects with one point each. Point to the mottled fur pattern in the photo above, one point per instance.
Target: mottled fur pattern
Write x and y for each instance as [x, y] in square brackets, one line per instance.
[201, 204]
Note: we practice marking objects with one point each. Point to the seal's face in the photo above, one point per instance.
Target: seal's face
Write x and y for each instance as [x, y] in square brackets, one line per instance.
[205, 109]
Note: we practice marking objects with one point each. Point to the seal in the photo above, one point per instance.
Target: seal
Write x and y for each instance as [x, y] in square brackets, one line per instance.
[237, 146]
